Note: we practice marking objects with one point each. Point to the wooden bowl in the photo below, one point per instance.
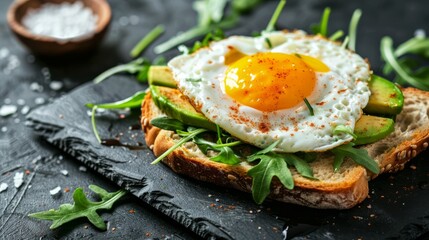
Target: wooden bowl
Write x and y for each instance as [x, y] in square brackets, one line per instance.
[49, 46]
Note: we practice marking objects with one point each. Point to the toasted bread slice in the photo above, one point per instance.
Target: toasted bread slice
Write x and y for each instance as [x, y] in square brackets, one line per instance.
[338, 190]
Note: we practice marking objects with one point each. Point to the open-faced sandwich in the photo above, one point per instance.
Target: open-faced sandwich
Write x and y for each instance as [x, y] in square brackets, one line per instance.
[285, 115]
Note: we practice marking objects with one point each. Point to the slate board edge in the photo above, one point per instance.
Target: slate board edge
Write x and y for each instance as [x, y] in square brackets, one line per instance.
[201, 226]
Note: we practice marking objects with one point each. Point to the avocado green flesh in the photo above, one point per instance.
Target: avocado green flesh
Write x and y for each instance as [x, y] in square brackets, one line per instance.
[386, 98]
[161, 76]
[173, 103]
[369, 129]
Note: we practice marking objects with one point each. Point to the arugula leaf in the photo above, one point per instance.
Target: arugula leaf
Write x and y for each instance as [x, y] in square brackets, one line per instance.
[130, 102]
[336, 35]
[270, 165]
[168, 123]
[245, 5]
[322, 27]
[189, 136]
[216, 35]
[275, 17]
[266, 150]
[301, 166]
[353, 29]
[360, 156]
[195, 32]
[226, 155]
[344, 129]
[94, 124]
[131, 67]
[81, 208]
[209, 11]
[404, 68]
[145, 41]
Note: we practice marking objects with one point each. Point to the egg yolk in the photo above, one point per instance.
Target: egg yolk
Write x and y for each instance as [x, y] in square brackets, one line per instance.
[272, 81]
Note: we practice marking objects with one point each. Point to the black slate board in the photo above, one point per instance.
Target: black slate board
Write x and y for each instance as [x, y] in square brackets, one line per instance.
[212, 212]
[398, 204]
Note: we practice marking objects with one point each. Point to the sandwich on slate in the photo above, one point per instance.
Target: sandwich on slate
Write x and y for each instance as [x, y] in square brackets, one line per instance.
[286, 115]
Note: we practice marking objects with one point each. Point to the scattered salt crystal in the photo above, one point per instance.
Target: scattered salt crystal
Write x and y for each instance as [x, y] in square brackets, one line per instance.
[56, 85]
[7, 110]
[64, 172]
[82, 168]
[34, 86]
[134, 19]
[3, 187]
[55, 191]
[18, 179]
[123, 21]
[12, 62]
[62, 21]
[4, 52]
[16, 120]
[4, 129]
[20, 101]
[7, 101]
[61, 157]
[25, 110]
[39, 100]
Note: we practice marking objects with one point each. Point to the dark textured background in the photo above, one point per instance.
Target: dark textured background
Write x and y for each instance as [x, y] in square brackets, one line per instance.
[398, 207]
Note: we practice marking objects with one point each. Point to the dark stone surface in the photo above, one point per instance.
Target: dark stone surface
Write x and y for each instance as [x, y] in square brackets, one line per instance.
[167, 205]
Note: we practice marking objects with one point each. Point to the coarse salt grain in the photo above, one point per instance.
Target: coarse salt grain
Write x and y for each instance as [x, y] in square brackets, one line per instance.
[18, 179]
[55, 191]
[3, 187]
[7, 110]
[61, 21]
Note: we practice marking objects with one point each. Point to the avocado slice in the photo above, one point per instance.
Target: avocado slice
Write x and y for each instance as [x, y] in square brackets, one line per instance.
[386, 98]
[369, 129]
[176, 105]
[161, 76]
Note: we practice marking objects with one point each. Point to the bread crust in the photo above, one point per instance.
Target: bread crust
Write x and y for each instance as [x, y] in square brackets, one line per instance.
[344, 191]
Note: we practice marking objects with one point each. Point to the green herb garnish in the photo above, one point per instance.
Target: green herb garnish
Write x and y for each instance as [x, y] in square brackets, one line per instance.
[353, 29]
[322, 27]
[82, 207]
[344, 129]
[189, 135]
[310, 108]
[168, 124]
[245, 5]
[131, 67]
[130, 102]
[262, 174]
[275, 164]
[268, 41]
[404, 64]
[360, 156]
[216, 35]
[145, 41]
[275, 17]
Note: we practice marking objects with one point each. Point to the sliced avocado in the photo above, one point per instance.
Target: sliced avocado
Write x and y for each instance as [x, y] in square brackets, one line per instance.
[386, 98]
[161, 76]
[369, 129]
[176, 105]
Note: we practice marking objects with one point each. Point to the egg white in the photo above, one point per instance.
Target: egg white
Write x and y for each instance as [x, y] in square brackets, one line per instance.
[338, 98]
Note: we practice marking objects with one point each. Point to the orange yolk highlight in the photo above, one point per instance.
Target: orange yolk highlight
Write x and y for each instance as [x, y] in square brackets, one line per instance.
[272, 81]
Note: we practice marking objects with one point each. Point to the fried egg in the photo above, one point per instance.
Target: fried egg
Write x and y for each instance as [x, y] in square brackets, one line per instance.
[254, 88]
